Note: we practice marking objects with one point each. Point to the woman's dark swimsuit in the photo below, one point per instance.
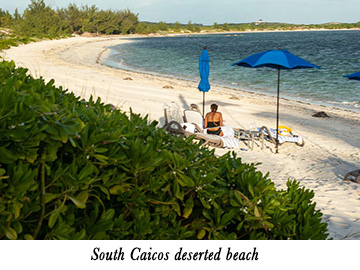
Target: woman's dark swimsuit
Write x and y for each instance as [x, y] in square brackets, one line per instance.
[214, 125]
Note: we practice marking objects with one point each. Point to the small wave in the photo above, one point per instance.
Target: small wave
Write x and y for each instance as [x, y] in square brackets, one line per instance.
[355, 103]
[352, 105]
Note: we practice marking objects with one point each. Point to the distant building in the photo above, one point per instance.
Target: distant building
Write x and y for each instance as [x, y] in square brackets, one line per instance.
[259, 22]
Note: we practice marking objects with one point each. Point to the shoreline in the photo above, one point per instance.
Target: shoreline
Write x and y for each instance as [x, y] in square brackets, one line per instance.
[227, 90]
[250, 92]
[249, 31]
[332, 147]
[106, 52]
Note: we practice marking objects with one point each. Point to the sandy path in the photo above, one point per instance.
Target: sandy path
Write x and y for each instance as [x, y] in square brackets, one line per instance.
[332, 144]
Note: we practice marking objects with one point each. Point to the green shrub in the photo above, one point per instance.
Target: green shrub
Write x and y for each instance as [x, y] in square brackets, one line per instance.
[7, 41]
[72, 169]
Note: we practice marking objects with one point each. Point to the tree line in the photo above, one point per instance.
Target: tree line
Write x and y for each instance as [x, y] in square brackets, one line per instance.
[40, 20]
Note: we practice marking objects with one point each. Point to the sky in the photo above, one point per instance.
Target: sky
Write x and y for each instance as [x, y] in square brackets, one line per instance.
[208, 12]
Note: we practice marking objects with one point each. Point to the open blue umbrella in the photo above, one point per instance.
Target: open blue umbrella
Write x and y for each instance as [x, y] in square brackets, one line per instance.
[278, 59]
[354, 76]
[204, 70]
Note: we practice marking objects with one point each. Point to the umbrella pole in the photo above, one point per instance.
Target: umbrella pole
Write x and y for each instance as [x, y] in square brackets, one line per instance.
[203, 104]
[277, 112]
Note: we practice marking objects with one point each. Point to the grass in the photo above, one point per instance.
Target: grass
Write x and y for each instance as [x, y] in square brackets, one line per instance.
[8, 40]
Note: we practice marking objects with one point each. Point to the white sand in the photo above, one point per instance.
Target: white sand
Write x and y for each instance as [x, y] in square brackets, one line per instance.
[331, 144]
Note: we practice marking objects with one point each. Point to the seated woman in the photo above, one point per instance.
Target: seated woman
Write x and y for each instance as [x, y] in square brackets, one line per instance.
[214, 121]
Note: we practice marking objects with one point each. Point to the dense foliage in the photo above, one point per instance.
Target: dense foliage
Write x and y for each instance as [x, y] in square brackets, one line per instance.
[40, 20]
[74, 169]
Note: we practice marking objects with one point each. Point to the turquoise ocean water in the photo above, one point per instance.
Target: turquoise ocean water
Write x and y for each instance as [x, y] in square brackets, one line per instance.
[336, 52]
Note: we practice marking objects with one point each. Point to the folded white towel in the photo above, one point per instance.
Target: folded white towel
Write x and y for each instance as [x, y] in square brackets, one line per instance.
[228, 131]
[230, 142]
[188, 127]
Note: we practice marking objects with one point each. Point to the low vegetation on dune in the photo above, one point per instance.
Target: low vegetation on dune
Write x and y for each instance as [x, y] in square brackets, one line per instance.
[76, 169]
[8, 40]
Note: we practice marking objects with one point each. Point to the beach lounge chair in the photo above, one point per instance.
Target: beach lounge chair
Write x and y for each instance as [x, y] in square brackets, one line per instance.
[180, 129]
[192, 124]
[270, 134]
[231, 135]
[172, 113]
[353, 176]
[193, 116]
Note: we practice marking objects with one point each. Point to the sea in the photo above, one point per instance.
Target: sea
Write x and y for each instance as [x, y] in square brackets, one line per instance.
[336, 52]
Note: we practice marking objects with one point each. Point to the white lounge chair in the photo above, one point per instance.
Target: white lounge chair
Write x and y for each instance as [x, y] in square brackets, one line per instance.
[192, 124]
[194, 116]
[172, 113]
[270, 134]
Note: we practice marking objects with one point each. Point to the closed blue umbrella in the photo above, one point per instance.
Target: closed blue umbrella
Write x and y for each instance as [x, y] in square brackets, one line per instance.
[354, 76]
[204, 70]
[278, 59]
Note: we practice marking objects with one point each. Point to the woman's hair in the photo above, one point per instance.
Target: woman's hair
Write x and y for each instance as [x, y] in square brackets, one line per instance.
[214, 107]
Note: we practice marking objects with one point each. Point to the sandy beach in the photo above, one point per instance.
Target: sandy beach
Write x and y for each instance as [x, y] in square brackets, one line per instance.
[332, 145]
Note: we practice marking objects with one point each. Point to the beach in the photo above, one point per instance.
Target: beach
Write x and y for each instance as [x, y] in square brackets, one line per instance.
[332, 145]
